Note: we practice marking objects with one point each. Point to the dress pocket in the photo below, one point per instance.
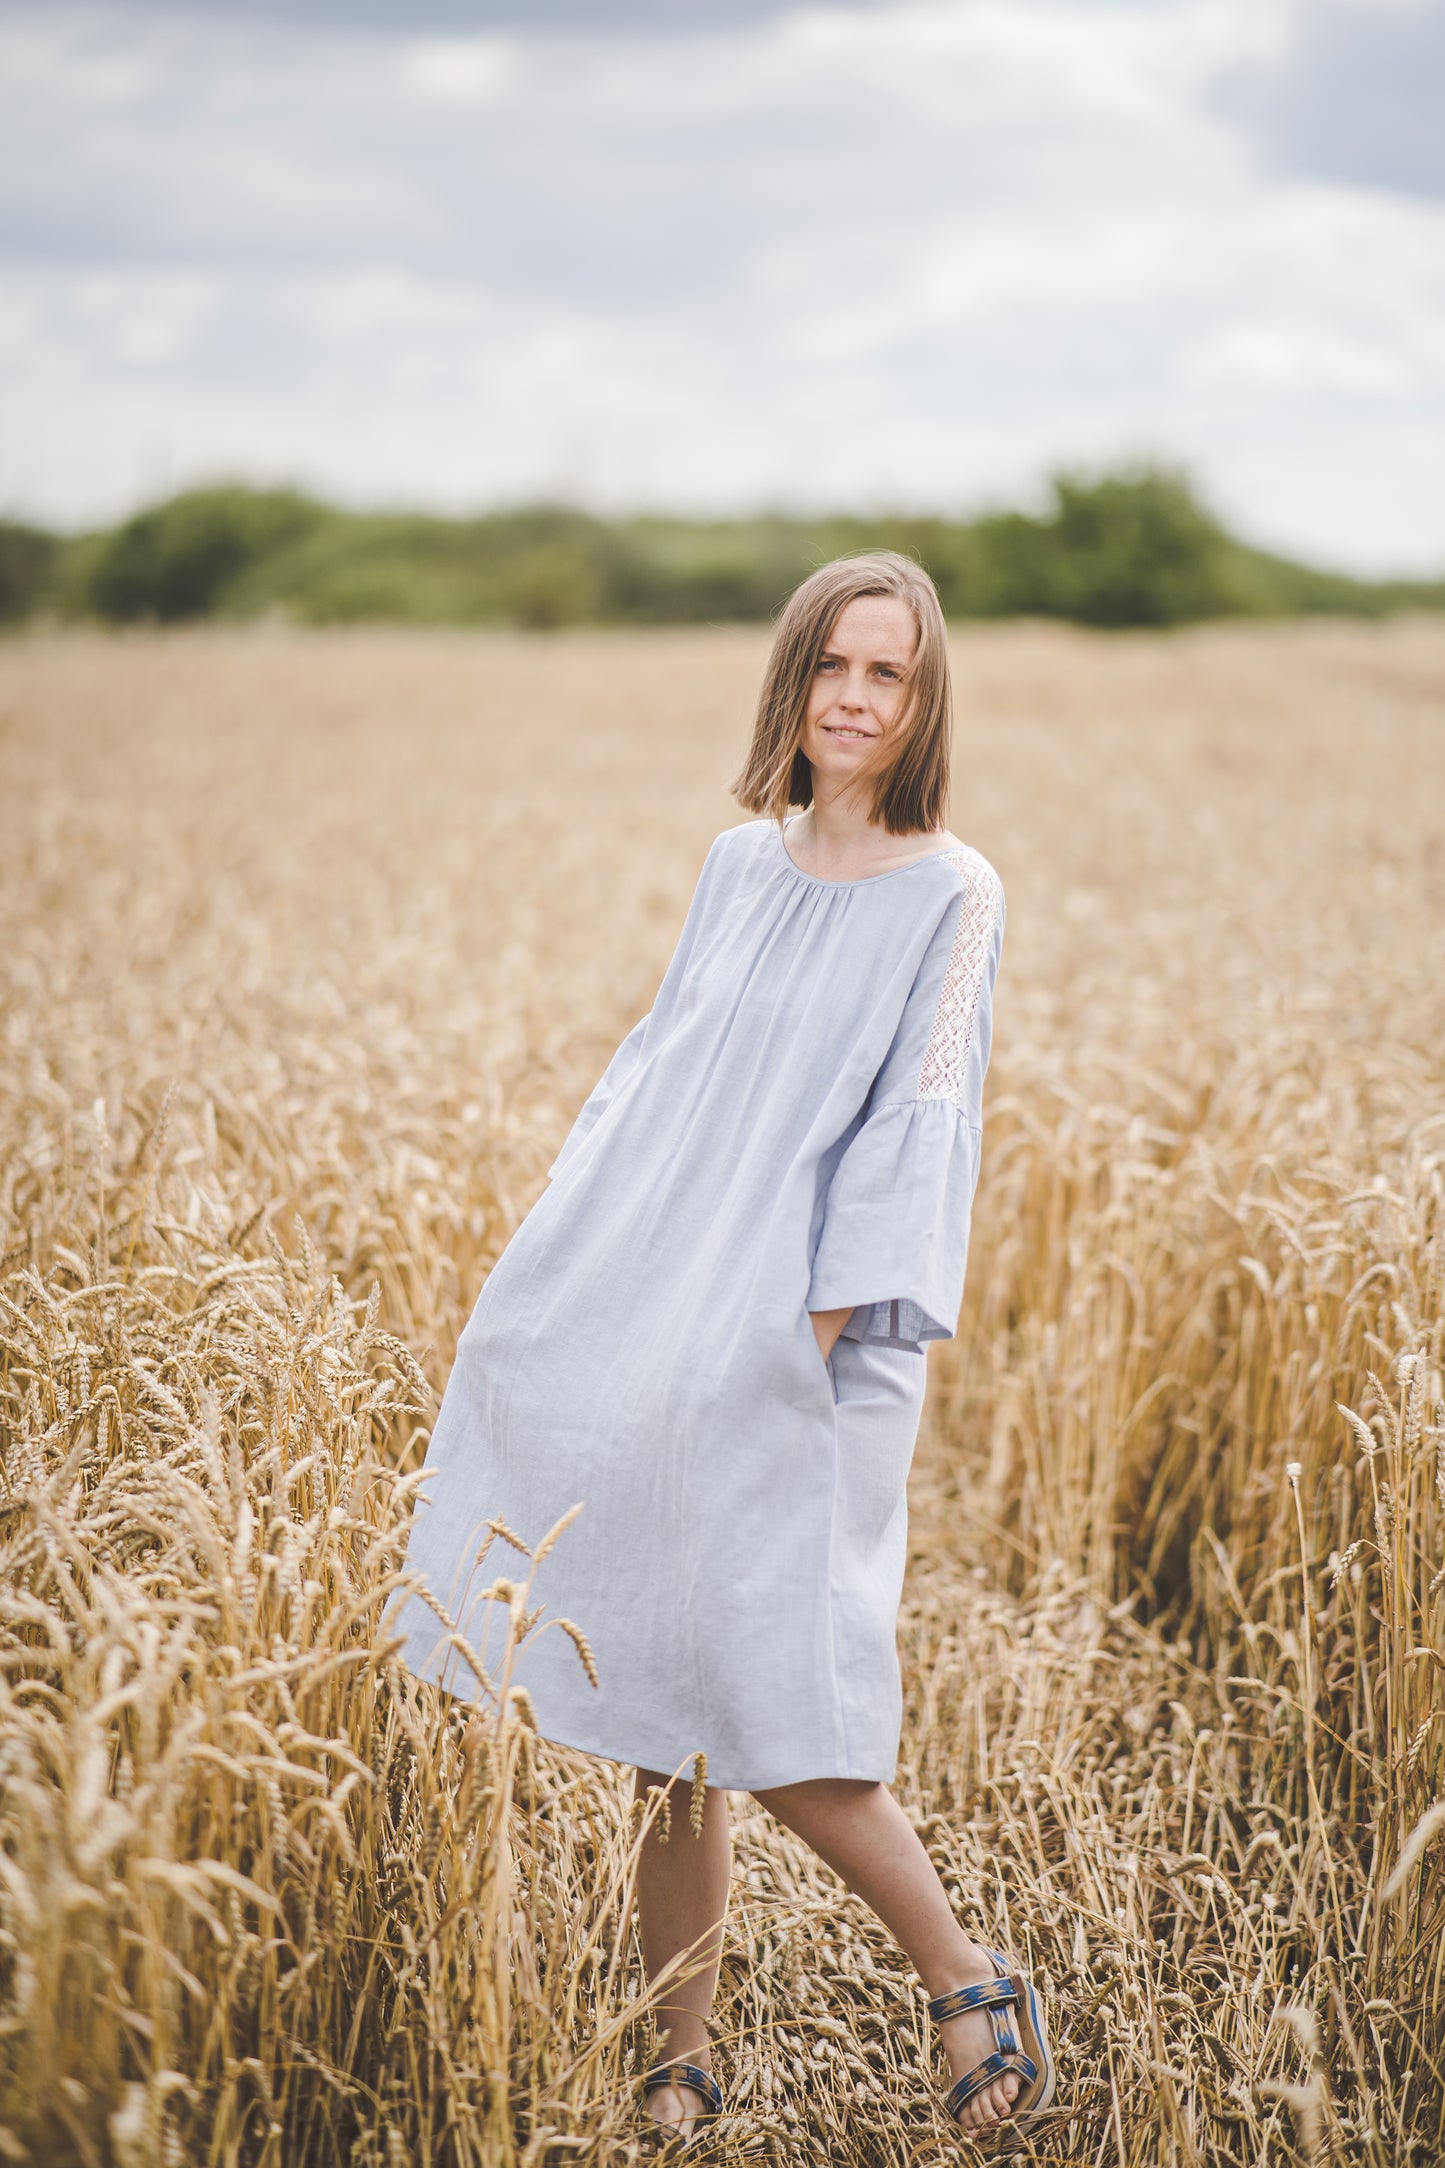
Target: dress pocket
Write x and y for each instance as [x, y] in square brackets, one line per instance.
[783, 1358]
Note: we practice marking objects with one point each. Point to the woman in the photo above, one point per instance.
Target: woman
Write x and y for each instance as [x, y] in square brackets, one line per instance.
[711, 1327]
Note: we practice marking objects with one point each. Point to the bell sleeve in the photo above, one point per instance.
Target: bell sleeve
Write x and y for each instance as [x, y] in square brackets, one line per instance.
[893, 1242]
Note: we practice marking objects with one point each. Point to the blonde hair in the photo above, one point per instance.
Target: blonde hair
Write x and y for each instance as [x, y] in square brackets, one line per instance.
[910, 774]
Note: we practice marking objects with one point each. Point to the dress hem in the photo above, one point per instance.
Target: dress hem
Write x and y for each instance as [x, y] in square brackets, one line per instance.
[722, 1783]
[716, 1782]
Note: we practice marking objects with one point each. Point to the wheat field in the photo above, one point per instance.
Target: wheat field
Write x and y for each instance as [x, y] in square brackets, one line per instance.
[309, 947]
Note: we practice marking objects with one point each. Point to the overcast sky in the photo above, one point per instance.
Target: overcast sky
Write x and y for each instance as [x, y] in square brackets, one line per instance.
[722, 253]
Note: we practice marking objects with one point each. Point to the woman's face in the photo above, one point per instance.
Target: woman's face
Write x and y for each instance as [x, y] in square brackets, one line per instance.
[859, 689]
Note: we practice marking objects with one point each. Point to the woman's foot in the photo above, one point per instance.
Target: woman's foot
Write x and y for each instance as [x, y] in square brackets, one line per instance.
[969, 2040]
[677, 2104]
[676, 2108]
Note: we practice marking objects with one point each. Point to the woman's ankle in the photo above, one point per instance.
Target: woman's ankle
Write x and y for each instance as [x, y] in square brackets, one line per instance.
[967, 1965]
[682, 2047]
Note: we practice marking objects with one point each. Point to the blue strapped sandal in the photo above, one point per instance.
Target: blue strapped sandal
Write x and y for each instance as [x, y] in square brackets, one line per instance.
[702, 2081]
[1026, 2055]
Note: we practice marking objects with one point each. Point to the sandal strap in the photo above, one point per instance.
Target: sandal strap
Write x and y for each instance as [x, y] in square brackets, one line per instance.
[701, 2081]
[987, 1995]
[983, 2074]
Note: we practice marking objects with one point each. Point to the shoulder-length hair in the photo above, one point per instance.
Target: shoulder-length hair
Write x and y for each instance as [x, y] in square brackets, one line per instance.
[909, 773]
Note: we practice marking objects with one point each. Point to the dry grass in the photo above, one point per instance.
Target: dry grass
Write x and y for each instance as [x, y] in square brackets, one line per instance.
[309, 947]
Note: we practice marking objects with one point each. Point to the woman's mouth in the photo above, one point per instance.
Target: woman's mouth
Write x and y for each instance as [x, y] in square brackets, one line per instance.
[845, 730]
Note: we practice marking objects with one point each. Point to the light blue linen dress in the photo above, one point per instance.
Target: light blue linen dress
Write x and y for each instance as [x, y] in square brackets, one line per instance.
[794, 1127]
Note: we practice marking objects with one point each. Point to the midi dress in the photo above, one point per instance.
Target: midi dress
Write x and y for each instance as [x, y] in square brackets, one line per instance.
[794, 1126]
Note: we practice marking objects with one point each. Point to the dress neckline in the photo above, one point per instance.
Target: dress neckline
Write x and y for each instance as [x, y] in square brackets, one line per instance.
[863, 880]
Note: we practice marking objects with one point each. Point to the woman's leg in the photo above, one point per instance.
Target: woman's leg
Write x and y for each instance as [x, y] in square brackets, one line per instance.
[682, 1895]
[865, 1837]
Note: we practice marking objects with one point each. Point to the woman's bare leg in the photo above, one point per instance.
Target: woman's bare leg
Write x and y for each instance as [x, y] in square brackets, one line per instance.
[865, 1837]
[682, 1895]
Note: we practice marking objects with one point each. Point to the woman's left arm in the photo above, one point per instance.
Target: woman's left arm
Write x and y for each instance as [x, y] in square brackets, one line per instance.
[891, 1250]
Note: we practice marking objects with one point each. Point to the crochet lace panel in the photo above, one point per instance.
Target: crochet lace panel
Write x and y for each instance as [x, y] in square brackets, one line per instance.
[946, 1060]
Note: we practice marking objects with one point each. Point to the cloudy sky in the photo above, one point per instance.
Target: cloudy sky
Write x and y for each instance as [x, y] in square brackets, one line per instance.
[721, 253]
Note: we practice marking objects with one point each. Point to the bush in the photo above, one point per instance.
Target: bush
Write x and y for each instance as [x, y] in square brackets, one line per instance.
[178, 559]
[1131, 549]
[27, 564]
[685, 572]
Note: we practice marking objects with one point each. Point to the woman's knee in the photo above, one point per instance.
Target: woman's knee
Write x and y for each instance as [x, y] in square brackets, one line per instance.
[817, 1795]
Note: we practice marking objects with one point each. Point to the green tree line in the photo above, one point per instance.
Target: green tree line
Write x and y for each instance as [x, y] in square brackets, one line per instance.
[1129, 549]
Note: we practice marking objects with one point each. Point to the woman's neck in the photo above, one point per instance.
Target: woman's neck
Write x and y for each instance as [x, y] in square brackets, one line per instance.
[836, 840]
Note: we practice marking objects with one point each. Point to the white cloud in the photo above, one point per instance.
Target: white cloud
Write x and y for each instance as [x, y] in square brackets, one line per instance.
[911, 254]
[468, 72]
[1282, 354]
